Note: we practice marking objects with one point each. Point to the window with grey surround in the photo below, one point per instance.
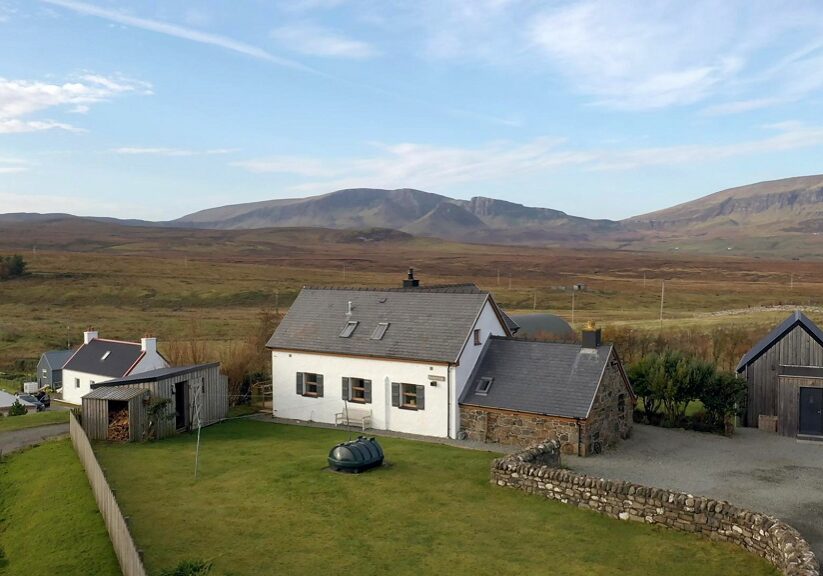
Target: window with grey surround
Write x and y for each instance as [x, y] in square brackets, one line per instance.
[408, 396]
[310, 384]
[477, 336]
[357, 390]
[349, 329]
[380, 331]
[45, 373]
[77, 382]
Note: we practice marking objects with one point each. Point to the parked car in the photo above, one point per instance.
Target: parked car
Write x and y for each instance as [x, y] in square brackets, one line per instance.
[32, 401]
[44, 398]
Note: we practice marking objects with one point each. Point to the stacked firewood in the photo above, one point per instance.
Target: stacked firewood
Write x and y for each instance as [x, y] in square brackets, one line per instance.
[119, 426]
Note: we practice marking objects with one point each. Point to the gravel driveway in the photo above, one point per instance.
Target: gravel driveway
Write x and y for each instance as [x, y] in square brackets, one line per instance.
[756, 470]
[17, 439]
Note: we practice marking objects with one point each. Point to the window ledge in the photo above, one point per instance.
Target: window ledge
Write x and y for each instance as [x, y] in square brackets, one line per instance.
[309, 395]
[413, 408]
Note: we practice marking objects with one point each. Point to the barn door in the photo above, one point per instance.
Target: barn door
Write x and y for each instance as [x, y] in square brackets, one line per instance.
[811, 411]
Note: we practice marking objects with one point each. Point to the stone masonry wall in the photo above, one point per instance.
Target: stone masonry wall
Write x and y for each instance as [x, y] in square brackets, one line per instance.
[518, 428]
[610, 418]
[537, 471]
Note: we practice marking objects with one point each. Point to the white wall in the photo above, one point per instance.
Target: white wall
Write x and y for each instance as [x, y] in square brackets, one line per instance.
[151, 361]
[431, 421]
[73, 394]
[489, 325]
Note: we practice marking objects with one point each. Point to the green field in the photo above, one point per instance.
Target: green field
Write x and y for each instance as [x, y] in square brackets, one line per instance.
[49, 522]
[33, 419]
[264, 503]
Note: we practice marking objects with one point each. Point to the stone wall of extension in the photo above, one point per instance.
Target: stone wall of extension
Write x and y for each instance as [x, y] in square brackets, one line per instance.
[610, 420]
[536, 471]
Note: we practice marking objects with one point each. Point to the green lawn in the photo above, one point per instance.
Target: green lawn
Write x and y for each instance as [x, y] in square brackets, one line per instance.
[49, 523]
[264, 504]
[33, 419]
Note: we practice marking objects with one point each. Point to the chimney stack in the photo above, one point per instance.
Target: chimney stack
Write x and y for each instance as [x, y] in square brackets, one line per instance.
[148, 345]
[89, 335]
[591, 336]
[411, 281]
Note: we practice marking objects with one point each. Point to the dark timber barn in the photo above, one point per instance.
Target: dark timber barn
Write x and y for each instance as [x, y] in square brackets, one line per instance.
[784, 373]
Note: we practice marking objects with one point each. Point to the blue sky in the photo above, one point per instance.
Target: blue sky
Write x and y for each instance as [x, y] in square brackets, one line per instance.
[609, 109]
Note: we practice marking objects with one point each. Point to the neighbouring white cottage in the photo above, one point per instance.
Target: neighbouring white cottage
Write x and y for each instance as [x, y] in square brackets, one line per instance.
[400, 357]
[100, 360]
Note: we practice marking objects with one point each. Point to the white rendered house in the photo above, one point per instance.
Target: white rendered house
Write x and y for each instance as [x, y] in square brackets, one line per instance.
[99, 360]
[402, 356]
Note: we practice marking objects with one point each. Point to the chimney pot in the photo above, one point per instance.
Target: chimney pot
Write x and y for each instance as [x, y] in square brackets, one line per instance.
[591, 336]
[411, 281]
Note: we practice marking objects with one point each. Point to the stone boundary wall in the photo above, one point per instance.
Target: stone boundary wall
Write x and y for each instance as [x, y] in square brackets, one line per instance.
[537, 471]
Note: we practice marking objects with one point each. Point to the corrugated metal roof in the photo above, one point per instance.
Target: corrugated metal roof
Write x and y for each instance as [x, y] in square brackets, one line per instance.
[109, 358]
[796, 319]
[535, 324]
[115, 393]
[155, 375]
[429, 324]
[539, 377]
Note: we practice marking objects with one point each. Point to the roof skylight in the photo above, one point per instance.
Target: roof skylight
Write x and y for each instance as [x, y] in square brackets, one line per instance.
[379, 330]
[106, 355]
[483, 386]
[349, 328]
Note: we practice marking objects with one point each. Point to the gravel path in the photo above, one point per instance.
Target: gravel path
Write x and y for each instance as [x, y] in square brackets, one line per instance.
[757, 470]
[18, 439]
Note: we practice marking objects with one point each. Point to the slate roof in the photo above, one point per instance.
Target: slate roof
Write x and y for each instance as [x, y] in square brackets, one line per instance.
[779, 331]
[426, 323]
[115, 393]
[154, 375]
[538, 377]
[56, 358]
[534, 324]
[89, 358]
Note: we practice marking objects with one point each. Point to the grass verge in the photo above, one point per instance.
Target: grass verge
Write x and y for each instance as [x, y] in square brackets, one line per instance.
[264, 499]
[49, 522]
[34, 419]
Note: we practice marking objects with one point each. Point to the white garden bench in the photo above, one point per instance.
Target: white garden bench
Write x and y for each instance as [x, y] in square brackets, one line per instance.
[354, 417]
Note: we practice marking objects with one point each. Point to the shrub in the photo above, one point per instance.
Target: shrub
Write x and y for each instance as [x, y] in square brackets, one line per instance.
[17, 409]
[189, 568]
[12, 266]
[723, 397]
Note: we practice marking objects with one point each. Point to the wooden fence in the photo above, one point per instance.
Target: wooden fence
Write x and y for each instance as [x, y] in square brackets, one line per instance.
[130, 562]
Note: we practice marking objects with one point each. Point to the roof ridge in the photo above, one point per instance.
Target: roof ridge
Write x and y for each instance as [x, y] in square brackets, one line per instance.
[115, 341]
[422, 289]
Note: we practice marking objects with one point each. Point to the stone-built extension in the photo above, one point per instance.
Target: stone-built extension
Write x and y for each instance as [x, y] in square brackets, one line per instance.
[537, 471]
[522, 393]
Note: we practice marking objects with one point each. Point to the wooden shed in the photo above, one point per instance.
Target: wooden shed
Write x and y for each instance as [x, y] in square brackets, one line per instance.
[784, 376]
[195, 393]
[102, 405]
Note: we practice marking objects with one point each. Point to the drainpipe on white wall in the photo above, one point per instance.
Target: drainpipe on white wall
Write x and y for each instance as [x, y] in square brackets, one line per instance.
[449, 401]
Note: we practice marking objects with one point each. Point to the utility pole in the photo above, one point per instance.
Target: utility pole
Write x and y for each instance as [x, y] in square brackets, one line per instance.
[662, 297]
[344, 272]
[534, 302]
[572, 306]
[791, 282]
[644, 280]
[277, 302]
[498, 276]
[510, 280]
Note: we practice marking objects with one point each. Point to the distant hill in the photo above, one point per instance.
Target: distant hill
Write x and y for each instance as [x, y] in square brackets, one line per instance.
[776, 218]
[780, 218]
[413, 211]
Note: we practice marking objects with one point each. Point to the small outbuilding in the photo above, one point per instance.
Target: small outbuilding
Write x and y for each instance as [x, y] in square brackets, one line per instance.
[50, 368]
[192, 393]
[523, 392]
[784, 376]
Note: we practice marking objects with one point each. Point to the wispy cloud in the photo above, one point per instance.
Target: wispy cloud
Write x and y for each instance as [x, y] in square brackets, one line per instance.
[10, 165]
[314, 40]
[19, 99]
[169, 152]
[426, 166]
[181, 32]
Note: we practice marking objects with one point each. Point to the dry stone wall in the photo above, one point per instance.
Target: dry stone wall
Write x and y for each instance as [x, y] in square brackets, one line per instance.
[537, 471]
